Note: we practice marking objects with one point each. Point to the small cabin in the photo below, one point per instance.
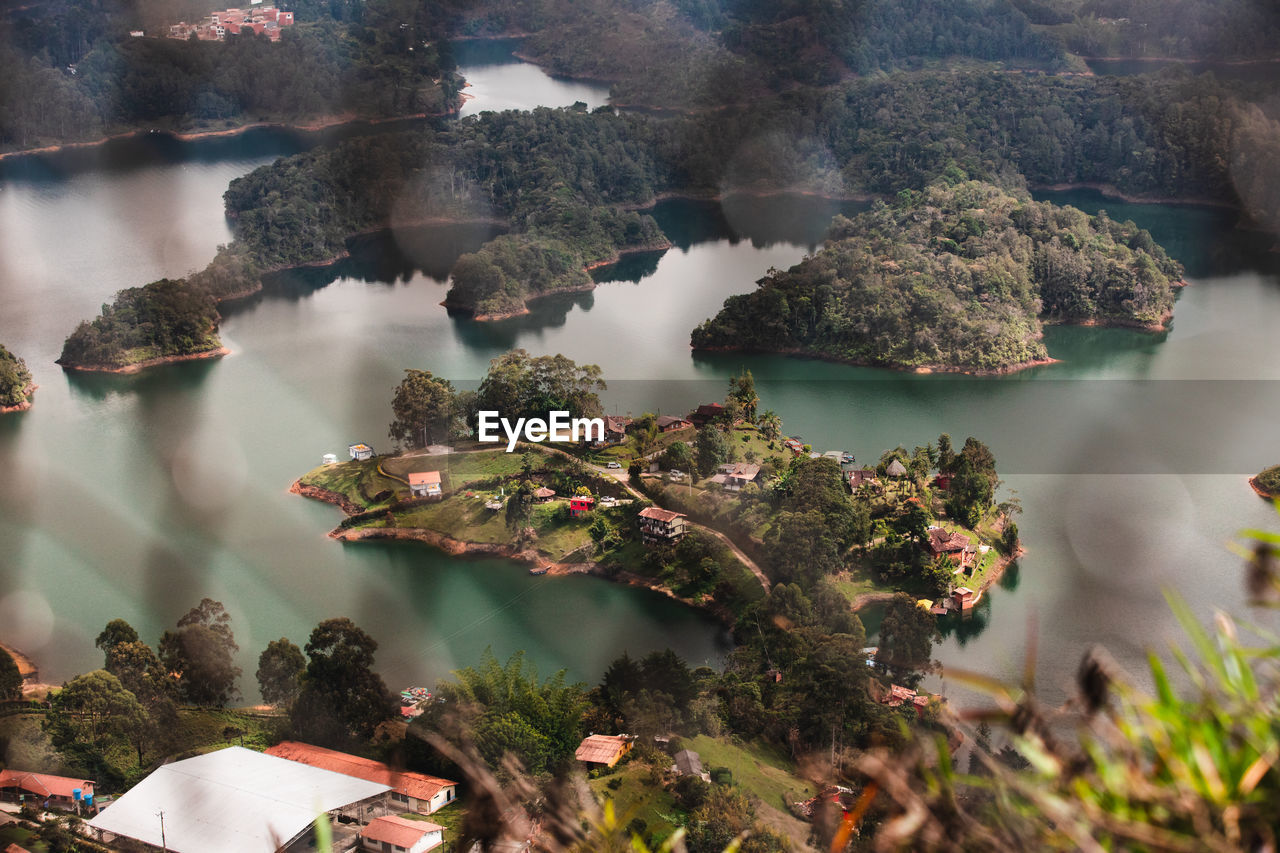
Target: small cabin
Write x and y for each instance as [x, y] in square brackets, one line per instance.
[544, 494]
[581, 504]
[964, 598]
[425, 484]
[329, 459]
[360, 452]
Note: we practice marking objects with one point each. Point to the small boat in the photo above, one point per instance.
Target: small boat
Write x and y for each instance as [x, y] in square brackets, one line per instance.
[539, 570]
[847, 459]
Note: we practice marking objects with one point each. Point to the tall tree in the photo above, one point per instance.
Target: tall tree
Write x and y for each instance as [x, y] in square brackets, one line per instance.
[117, 631]
[201, 655]
[280, 669]
[92, 714]
[520, 385]
[712, 449]
[10, 677]
[424, 407]
[742, 389]
[907, 635]
[341, 696]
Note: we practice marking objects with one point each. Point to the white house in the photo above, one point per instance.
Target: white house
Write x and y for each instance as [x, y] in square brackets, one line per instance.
[360, 452]
[397, 835]
[425, 484]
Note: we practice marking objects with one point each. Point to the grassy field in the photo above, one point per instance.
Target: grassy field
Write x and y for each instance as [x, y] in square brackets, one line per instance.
[758, 770]
[635, 799]
[450, 817]
[13, 834]
[358, 481]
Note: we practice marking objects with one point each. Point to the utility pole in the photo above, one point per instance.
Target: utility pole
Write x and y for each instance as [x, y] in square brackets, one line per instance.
[163, 844]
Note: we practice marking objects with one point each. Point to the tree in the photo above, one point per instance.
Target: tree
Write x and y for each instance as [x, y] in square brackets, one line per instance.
[201, 653]
[712, 449]
[91, 714]
[10, 678]
[341, 696]
[907, 635]
[117, 631]
[280, 668]
[742, 390]
[424, 407]
[770, 425]
[522, 386]
[973, 483]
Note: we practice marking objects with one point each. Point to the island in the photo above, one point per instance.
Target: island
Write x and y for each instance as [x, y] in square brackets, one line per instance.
[1267, 483]
[713, 509]
[16, 387]
[958, 277]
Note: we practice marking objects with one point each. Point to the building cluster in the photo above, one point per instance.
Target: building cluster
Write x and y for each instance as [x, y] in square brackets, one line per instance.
[238, 799]
[256, 20]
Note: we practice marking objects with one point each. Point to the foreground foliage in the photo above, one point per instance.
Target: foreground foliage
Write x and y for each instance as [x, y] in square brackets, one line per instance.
[15, 379]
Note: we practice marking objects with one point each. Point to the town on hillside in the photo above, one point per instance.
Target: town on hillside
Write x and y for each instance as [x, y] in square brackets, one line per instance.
[258, 19]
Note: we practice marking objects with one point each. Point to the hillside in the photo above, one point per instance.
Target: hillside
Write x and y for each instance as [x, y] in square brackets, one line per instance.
[957, 277]
[15, 380]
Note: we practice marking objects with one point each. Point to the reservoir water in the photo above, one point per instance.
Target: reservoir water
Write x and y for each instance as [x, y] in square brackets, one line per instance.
[136, 496]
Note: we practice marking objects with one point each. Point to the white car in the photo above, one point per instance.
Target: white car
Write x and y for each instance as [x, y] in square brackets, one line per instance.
[676, 475]
[614, 465]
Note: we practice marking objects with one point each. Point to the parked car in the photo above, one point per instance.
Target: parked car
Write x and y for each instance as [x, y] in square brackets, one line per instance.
[614, 465]
[676, 475]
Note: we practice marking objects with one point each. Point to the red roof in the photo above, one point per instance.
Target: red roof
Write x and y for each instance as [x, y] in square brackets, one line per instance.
[424, 478]
[657, 513]
[399, 831]
[43, 785]
[942, 542]
[581, 501]
[14, 848]
[416, 785]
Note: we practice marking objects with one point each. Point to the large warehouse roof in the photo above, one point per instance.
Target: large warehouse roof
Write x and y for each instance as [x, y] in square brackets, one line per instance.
[232, 799]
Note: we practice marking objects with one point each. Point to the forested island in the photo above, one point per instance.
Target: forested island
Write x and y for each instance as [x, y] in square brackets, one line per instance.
[15, 383]
[1267, 482]
[959, 276]
[571, 186]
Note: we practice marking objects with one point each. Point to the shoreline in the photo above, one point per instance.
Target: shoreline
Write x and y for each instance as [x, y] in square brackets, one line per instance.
[1110, 191]
[317, 124]
[866, 599]
[581, 288]
[1259, 491]
[454, 547]
[139, 366]
[24, 405]
[925, 369]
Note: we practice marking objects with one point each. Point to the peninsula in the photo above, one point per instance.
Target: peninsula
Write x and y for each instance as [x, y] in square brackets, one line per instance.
[958, 277]
[1267, 482]
[15, 383]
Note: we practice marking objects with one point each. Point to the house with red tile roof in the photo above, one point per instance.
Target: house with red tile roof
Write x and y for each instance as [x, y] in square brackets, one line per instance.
[401, 835]
[425, 484]
[57, 790]
[410, 792]
[661, 526]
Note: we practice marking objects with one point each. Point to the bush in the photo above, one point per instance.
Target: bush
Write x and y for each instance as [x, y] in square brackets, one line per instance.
[721, 775]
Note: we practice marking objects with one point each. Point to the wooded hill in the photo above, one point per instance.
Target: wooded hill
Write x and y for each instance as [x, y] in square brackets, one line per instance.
[15, 379]
[957, 277]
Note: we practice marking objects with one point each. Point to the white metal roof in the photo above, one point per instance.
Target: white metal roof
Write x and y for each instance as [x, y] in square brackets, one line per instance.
[232, 799]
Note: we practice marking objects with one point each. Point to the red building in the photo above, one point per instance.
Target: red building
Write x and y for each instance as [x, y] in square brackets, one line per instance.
[580, 504]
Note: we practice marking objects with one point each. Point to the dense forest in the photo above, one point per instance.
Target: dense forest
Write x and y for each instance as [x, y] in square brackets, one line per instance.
[1185, 29]
[955, 277]
[15, 379]
[569, 183]
[73, 73]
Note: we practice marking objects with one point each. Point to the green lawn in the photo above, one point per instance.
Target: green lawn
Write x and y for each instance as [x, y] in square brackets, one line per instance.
[460, 517]
[450, 817]
[636, 798]
[358, 481]
[14, 834]
[758, 770]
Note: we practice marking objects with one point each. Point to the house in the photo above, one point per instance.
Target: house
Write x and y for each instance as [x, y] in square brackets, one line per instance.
[394, 833]
[689, 763]
[945, 542]
[236, 799]
[425, 484]
[896, 469]
[578, 504]
[898, 696]
[61, 791]
[543, 494]
[942, 481]
[862, 477]
[738, 474]
[661, 526]
[667, 423]
[14, 848]
[964, 598]
[360, 452]
[410, 792]
[794, 446]
[706, 413]
[605, 750]
[615, 431]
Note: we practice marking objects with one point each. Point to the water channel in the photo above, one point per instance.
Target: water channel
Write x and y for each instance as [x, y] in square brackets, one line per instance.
[136, 496]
